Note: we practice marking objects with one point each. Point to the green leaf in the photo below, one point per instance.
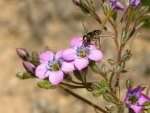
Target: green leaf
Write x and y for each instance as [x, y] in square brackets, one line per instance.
[24, 75]
[123, 36]
[120, 109]
[46, 85]
[99, 89]
[129, 84]
[111, 62]
[84, 7]
[111, 107]
[131, 33]
[147, 103]
[148, 110]
[108, 97]
[124, 71]
[114, 16]
[126, 56]
[35, 58]
[143, 9]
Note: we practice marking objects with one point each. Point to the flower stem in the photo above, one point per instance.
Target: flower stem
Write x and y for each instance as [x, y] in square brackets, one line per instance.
[76, 82]
[129, 18]
[107, 17]
[98, 19]
[72, 86]
[118, 73]
[83, 99]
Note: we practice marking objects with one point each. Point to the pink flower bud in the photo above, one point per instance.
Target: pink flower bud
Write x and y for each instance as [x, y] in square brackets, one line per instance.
[29, 67]
[76, 2]
[22, 53]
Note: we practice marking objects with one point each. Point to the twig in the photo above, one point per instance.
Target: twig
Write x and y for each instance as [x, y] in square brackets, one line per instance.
[72, 86]
[83, 99]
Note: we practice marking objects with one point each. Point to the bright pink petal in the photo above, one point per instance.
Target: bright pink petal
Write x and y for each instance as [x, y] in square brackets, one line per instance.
[81, 63]
[67, 67]
[95, 55]
[45, 56]
[143, 99]
[136, 109]
[41, 71]
[56, 77]
[69, 54]
[59, 54]
[76, 41]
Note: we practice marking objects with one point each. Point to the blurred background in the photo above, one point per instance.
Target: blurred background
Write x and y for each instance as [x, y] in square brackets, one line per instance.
[36, 25]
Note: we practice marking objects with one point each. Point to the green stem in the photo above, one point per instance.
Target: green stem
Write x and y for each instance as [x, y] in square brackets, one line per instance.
[118, 73]
[129, 19]
[98, 19]
[109, 14]
[125, 12]
[83, 99]
[118, 102]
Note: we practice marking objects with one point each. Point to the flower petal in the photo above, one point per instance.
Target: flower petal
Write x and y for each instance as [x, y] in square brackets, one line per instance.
[135, 2]
[95, 55]
[41, 71]
[59, 54]
[119, 6]
[45, 56]
[92, 47]
[69, 54]
[67, 67]
[143, 99]
[56, 77]
[76, 41]
[81, 63]
[136, 109]
[137, 91]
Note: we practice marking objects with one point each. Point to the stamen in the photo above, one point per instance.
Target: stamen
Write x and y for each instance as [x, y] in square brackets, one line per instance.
[133, 99]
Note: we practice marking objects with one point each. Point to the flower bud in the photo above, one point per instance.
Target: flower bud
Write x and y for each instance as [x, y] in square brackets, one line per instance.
[23, 75]
[76, 2]
[22, 53]
[135, 3]
[29, 67]
[116, 5]
[85, 7]
[129, 84]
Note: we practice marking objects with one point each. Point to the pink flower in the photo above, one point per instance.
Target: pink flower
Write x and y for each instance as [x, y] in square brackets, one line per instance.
[53, 67]
[135, 99]
[81, 54]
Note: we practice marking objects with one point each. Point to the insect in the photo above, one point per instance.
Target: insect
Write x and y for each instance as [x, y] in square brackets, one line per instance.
[91, 36]
[94, 36]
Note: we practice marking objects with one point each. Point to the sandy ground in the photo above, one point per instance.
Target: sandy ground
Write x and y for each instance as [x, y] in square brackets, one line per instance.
[16, 30]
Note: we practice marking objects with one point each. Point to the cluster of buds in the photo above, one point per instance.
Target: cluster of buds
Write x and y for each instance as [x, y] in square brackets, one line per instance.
[29, 62]
[115, 4]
